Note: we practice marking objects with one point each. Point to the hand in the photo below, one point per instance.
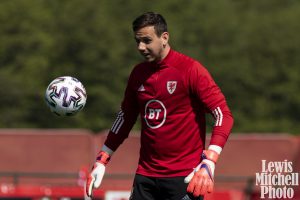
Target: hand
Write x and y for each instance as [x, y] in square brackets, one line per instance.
[94, 179]
[201, 180]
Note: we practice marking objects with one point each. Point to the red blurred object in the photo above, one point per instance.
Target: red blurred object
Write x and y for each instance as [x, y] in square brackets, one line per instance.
[51, 192]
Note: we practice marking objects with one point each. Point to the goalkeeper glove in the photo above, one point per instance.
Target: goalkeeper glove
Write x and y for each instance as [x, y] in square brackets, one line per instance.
[94, 179]
[201, 180]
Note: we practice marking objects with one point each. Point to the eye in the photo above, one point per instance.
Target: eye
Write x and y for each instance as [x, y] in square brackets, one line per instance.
[147, 40]
[144, 40]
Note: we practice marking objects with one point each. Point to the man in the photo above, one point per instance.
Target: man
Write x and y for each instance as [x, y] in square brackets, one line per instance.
[172, 93]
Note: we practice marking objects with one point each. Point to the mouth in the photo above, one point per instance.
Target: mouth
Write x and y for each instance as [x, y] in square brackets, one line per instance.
[146, 55]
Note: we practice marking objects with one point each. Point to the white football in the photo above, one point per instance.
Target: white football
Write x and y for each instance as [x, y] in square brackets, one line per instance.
[65, 96]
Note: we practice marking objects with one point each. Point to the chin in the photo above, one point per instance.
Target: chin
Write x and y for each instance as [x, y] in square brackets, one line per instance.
[149, 59]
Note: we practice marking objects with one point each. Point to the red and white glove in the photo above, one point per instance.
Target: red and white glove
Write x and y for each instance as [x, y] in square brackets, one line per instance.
[201, 180]
[94, 179]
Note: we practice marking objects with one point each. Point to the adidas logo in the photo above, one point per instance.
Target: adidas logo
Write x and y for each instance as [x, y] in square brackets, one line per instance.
[141, 88]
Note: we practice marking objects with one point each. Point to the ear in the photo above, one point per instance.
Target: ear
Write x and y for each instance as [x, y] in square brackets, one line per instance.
[165, 37]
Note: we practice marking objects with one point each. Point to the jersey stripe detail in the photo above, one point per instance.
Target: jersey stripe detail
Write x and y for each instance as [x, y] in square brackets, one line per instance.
[118, 122]
[218, 116]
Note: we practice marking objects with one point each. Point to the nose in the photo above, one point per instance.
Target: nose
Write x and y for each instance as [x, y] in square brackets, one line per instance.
[141, 46]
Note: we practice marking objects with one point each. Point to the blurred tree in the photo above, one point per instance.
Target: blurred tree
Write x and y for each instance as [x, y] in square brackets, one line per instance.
[250, 47]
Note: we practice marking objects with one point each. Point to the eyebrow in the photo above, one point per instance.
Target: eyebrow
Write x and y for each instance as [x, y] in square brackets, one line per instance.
[142, 37]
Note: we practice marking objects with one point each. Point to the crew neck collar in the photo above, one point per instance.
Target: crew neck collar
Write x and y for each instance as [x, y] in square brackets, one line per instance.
[167, 59]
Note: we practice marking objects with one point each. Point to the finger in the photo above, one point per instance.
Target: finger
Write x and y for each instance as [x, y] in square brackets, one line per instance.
[204, 188]
[210, 187]
[89, 186]
[198, 187]
[191, 186]
[189, 177]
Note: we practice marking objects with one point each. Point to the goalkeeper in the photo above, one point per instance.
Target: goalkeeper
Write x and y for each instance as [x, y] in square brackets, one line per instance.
[172, 93]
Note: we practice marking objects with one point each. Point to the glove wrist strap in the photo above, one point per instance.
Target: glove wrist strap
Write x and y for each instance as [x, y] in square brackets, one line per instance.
[103, 157]
[211, 155]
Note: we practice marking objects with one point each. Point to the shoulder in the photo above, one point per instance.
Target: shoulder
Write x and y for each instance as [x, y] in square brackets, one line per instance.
[138, 74]
[183, 58]
[187, 63]
[140, 68]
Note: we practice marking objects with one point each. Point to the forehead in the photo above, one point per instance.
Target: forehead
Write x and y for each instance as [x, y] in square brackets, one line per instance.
[147, 31]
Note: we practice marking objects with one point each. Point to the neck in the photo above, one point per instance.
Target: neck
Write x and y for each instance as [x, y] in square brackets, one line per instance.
[165, 52]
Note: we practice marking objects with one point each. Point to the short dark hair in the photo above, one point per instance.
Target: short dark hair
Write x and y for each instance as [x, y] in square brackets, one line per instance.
[150, 19]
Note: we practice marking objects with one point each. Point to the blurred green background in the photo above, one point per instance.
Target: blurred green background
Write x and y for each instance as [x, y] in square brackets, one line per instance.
[251, 48]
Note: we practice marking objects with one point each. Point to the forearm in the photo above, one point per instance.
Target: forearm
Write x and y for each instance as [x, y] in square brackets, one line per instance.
[120, 129]
[223, 125]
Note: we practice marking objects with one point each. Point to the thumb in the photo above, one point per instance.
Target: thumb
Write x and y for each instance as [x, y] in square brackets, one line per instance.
[90, 185]
[189, 177]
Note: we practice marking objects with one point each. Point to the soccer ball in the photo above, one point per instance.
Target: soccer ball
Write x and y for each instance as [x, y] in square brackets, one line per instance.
[65, 96]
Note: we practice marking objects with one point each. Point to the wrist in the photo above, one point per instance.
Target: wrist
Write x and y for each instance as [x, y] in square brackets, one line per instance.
[107, 150]
[103, 157]
[212, 153]
[215, 148]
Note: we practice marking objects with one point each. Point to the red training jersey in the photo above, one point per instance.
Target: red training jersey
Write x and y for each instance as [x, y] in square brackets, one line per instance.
[172, 97]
